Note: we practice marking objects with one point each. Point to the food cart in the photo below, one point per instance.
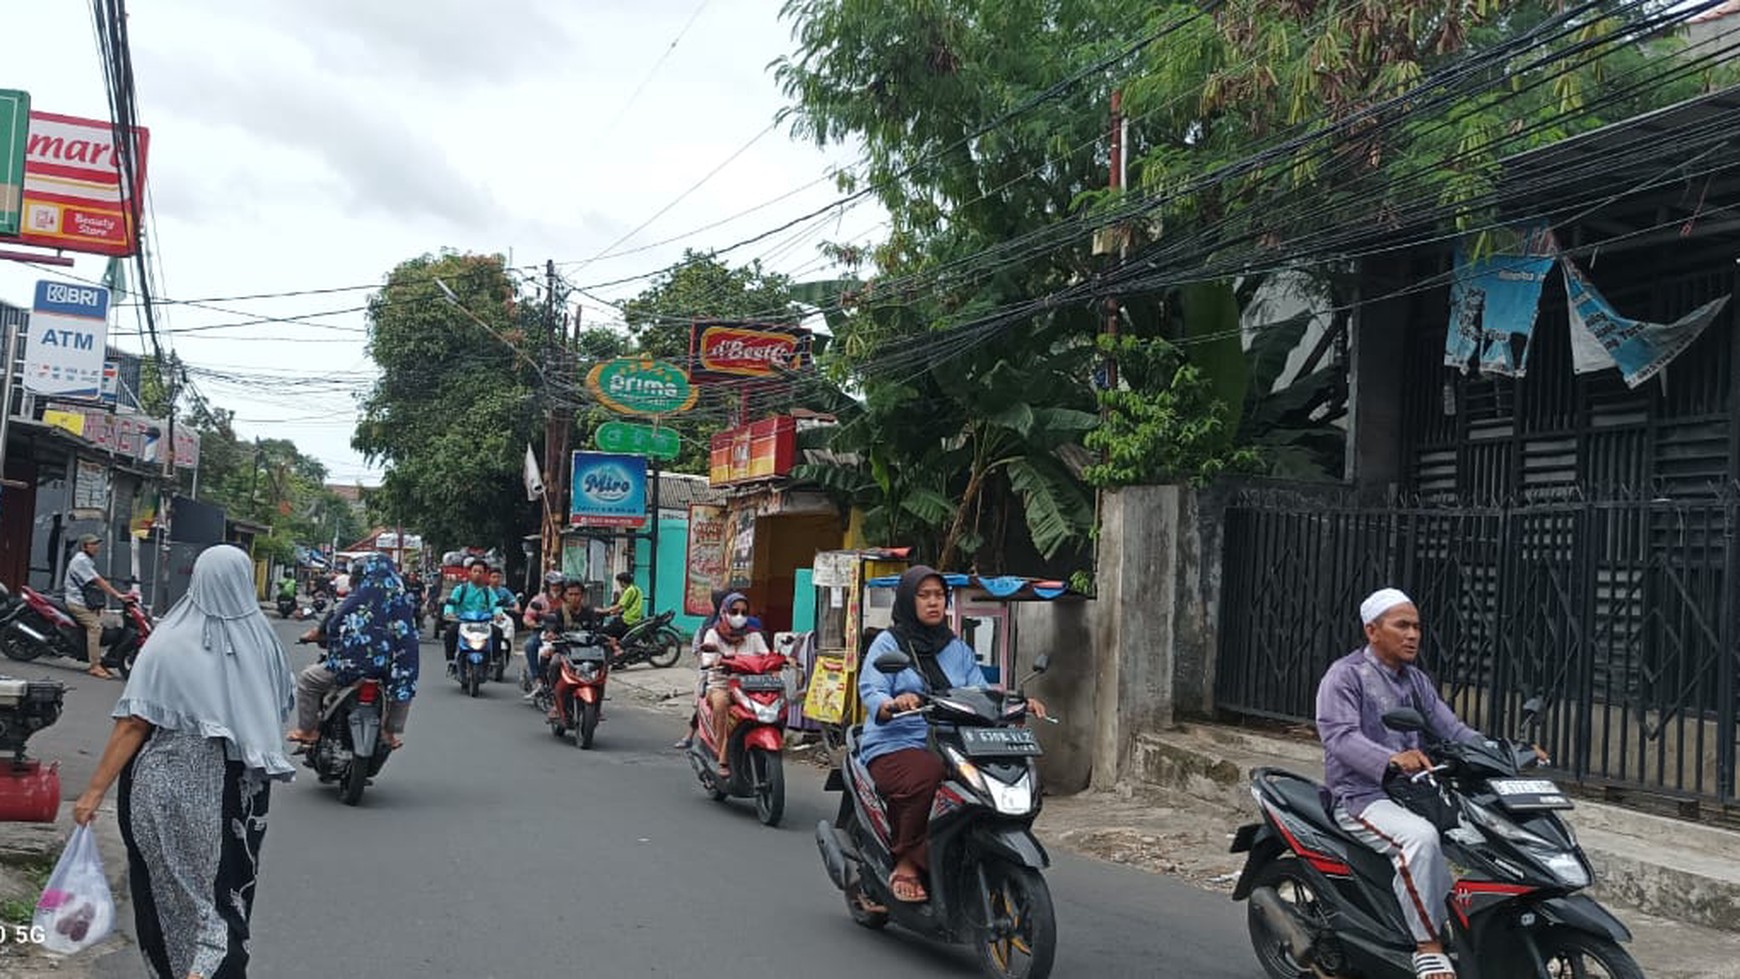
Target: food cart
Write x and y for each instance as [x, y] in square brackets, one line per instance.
[855, 600]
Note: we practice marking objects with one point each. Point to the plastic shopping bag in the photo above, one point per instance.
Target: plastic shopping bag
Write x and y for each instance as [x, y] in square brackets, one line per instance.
[76, 909]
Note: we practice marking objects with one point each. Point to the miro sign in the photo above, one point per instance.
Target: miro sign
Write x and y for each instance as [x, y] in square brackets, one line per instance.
[69, 328]
[608, 490]
[641, 386]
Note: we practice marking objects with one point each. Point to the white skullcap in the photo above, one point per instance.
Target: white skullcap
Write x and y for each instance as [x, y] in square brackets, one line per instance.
[1381, 601]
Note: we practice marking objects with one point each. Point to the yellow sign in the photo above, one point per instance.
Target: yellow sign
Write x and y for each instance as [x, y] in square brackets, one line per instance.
[72, 421]
[826, 701]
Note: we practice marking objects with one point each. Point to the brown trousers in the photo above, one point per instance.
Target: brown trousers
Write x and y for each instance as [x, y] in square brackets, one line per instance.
[92, 620]
[907, 780]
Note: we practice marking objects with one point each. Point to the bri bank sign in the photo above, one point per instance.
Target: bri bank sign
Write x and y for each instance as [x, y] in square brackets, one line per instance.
[609, 490]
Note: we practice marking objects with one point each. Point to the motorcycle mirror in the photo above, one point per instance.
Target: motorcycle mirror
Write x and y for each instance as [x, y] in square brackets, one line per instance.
[1042, 663]
[892, 662]
[1532, 708]
[1404, 719]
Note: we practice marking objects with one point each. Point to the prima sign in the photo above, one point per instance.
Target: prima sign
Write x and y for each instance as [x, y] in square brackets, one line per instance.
[641, 386]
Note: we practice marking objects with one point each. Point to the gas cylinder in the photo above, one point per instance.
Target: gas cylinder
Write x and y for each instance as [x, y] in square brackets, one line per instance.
[29, 792]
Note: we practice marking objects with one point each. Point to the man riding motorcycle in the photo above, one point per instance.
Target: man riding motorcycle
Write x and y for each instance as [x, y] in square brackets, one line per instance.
[629, 609]
[473, 595]
[543, 605]
[1360, 753]
[575, 613]
[371, 635]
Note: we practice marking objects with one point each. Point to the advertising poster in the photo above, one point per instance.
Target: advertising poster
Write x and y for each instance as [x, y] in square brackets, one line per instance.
[706, 558]
[1493, 304]
[1602, 338]
[609, 490]
[69, 326]
[724, 351]
[741, 547]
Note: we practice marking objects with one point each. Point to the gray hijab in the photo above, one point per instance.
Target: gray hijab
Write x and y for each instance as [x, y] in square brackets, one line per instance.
[214, 666]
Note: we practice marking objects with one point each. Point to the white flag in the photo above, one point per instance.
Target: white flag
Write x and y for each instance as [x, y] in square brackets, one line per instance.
[534, 482]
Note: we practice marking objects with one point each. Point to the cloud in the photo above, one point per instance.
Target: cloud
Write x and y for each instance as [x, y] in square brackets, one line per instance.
[443, 41]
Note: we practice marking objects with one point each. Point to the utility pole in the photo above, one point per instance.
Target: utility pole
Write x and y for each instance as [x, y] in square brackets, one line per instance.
[167, 501]
[558, 377]
[1112, 306]
[6, 394]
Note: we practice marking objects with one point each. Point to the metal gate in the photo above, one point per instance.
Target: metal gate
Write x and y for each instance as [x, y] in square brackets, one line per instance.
[1620, 613]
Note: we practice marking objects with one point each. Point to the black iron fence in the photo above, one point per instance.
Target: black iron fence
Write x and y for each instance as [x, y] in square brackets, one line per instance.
[1621, 614]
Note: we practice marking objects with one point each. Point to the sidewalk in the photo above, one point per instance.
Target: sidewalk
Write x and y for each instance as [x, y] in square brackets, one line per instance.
[1180, 819]
[24, 846]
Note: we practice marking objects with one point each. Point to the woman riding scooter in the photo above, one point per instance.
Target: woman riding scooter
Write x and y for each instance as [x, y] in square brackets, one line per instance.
[893, 748]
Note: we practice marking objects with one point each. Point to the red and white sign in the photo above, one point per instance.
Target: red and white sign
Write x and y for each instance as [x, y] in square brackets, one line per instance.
[723, 350]
[72, 186]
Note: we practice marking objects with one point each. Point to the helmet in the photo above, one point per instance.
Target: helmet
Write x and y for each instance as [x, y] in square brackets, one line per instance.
[554, 578]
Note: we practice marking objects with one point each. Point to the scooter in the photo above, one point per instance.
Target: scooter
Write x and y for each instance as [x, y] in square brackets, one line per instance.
[351, 749]
[504, 650]
[474, 655]
[986, 883]
[583, 665]
[652, 641]
[286, 606]
[756, 740]
[1321, 903]
[34, 624]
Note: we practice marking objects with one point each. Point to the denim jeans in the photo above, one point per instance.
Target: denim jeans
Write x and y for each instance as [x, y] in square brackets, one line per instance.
[532, 646]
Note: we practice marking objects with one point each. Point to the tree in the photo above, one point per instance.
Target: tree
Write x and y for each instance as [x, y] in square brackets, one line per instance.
[457, 401]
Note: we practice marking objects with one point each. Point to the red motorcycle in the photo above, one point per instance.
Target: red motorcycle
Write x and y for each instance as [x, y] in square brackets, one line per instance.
[34, 624]
[577, 697]
[756, 740]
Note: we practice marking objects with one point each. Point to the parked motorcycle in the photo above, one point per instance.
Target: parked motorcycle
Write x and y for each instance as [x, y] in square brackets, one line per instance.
[986, 886]
[34, 624]
[474, 655]
[578, 694]
[754, 746]
[1321, 902]
[351, 749]
[652, 641]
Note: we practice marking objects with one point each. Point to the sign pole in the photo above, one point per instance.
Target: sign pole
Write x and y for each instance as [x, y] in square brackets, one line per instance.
[10, 360]
[652, 574]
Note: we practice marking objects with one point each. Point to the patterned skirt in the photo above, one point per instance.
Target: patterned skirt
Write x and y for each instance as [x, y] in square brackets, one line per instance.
[193, 822]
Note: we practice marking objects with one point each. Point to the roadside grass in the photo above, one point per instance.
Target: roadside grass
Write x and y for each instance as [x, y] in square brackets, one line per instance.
[19, 912]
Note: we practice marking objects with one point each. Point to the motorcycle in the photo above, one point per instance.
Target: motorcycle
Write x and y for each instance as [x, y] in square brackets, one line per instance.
[504, 650]
[286, 606]
[754, 747]
[351, 749]
[578, 695]
[652, 641]
[986, 885]
[473, 654]
[34, 624]
[1321, 902]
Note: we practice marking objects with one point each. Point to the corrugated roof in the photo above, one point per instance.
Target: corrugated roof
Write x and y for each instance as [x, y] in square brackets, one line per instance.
[678, 490]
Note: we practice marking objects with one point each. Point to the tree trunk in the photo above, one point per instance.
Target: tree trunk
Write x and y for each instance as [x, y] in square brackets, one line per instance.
[958, 525]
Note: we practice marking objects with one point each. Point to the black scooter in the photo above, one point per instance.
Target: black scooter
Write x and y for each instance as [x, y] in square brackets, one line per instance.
[652, 641]
[1321, 903]
[986, 886]
[351, 749]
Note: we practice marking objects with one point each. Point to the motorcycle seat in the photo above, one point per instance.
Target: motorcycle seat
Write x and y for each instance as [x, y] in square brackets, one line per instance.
[1303, 796]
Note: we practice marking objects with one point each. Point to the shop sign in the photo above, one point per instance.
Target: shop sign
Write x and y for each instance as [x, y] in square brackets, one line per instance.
[656, 443]
[706, 558]
[641, 386]
[766, 449]
[609, 490]
[723, 351]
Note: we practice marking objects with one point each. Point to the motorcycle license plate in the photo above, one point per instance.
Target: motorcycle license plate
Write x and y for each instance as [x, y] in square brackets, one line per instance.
[761, 682]
[1524, 794]
[999, 741]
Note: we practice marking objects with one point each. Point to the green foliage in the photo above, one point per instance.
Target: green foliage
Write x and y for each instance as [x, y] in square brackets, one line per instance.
[1165, 425]
[457, 401]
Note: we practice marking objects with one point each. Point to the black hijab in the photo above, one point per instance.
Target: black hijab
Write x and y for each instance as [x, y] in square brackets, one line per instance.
[921, 642]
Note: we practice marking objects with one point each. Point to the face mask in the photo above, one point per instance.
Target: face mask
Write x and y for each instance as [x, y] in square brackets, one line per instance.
[737, 621]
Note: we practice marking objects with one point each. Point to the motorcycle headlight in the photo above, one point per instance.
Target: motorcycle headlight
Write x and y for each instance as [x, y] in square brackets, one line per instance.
[1007, 799]
[769, 713]
[1564, 864]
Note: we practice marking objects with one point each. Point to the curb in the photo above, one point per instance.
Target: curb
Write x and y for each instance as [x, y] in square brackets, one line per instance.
[44, 841]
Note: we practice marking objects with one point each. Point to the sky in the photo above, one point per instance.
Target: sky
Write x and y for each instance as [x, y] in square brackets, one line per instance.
[315, 145]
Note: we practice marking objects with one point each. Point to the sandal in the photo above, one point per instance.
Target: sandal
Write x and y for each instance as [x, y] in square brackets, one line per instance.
[101, 673]
[1428, 965]
[302, 738]
[907, 889]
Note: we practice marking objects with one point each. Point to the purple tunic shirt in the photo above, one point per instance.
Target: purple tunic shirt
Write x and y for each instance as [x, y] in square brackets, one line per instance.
[1351, 702]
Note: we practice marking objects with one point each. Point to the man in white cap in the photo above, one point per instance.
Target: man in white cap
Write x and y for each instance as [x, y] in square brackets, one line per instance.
[1359, 752]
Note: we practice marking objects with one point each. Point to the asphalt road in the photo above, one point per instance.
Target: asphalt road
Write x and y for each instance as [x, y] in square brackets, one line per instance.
[488, 848]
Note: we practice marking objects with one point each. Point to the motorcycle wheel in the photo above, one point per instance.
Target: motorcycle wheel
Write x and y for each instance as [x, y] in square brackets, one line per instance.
[1018, 896]
[1294, 890]
[670, 650]
[588, 724]
[1577, 953]
[19, 650]
[769, 769]
[350, 787]
[473, 681]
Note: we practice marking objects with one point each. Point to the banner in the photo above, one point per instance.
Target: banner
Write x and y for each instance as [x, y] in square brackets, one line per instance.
[534, 481]
[724, 351]
[1493, 304]
[1601, 338]
[706, 558]
[73, 199]
[69, 326]
[608, 490]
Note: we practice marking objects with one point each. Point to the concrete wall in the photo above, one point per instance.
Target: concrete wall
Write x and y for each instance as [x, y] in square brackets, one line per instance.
[1065, 630]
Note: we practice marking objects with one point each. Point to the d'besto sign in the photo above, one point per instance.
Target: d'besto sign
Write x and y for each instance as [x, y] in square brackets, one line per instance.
[69, 328]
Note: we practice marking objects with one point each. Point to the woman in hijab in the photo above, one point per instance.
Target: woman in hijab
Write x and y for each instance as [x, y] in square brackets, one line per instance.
[373, 634]
[197, 744]
[894, 749]
[730, 635]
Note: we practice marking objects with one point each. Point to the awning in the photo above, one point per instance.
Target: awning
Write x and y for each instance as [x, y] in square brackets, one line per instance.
[1005, 588]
